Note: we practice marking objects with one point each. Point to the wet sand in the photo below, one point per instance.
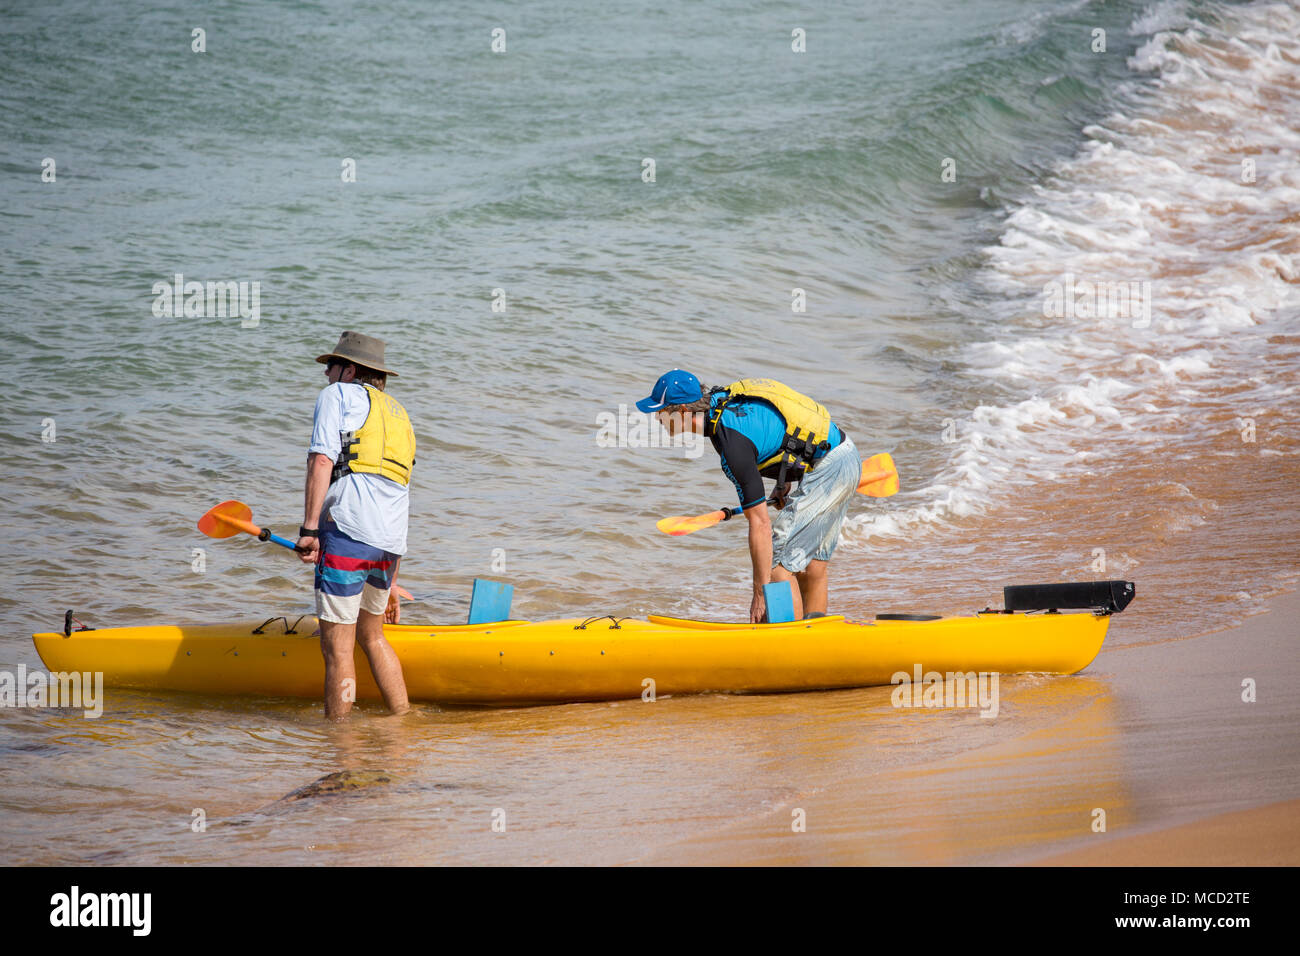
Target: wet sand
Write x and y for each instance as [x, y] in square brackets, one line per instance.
[1155, 735]
[1267, 836]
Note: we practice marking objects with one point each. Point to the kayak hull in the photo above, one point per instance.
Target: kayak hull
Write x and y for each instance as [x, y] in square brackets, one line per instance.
[516, 662]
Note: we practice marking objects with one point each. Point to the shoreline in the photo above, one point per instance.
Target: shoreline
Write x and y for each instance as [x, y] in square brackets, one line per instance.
[1155, 735]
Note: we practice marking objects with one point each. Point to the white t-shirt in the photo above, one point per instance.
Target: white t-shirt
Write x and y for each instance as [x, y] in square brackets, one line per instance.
[369, 508]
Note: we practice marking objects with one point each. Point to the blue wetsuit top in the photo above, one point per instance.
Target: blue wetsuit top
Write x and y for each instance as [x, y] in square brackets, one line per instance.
[749, 431]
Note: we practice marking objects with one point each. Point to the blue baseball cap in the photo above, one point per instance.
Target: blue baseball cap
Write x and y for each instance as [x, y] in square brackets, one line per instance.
[673, 388]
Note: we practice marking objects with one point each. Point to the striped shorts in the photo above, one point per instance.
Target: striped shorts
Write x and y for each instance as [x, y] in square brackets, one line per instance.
[350, 577]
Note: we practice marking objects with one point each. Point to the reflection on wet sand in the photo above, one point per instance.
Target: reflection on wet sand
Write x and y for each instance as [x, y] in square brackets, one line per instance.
[1038, 777]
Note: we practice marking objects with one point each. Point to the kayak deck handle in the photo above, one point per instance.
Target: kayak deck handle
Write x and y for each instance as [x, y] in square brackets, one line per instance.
[616, 626]
[288, 628]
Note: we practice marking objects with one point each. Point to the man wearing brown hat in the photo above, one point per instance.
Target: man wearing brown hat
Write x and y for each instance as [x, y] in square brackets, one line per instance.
[354, 518]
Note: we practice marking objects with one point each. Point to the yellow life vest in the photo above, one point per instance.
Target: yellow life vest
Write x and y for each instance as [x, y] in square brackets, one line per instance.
[807, 424]
[384, 444]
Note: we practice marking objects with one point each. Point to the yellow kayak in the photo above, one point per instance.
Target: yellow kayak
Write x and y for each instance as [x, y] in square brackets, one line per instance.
[518, 662]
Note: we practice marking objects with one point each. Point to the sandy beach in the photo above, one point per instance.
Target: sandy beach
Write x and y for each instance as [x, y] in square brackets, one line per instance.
[1156, 735]
[1266, 836]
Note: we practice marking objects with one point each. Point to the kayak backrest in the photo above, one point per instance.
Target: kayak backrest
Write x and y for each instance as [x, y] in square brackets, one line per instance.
[490, 601]
[1105, 596]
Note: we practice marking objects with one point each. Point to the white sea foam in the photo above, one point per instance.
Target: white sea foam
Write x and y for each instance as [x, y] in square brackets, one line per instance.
[1156, 194]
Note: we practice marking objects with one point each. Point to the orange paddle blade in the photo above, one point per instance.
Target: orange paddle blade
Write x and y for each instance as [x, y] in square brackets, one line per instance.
[879, 476]
[402, 593]
[228, 519]
[684, 525]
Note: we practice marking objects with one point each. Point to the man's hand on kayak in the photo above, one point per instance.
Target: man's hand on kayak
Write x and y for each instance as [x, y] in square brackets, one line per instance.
[393, 613]
[308, 550]
[760, 552]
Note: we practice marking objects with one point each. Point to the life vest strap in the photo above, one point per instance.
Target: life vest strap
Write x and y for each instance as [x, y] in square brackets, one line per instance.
[347, 454]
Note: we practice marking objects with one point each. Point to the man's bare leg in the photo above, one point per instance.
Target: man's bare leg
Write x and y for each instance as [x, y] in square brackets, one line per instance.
[812, 587]
[336, 646]
[383, 661]
[781, 573]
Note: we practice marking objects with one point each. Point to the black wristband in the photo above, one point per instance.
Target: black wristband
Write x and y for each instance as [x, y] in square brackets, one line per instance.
[305, 532]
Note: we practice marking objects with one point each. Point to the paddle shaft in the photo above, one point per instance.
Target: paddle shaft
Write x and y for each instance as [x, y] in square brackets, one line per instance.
[881, 482]
[866, 479]
[266, 535]
[727, 513]
[262, 534]
[874, 476]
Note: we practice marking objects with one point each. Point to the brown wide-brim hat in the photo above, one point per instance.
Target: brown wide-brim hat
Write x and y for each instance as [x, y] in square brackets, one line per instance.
[360, 350]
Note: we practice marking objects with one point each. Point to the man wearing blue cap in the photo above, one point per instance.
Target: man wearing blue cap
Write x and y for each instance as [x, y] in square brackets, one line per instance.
[764, 429]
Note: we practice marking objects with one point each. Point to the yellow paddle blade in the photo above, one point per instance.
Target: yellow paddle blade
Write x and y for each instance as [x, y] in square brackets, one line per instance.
[879, 476]
[684, 525]
[227, 520]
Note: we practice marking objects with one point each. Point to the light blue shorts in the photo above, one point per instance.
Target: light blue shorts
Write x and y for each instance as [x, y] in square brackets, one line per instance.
[808, 527]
